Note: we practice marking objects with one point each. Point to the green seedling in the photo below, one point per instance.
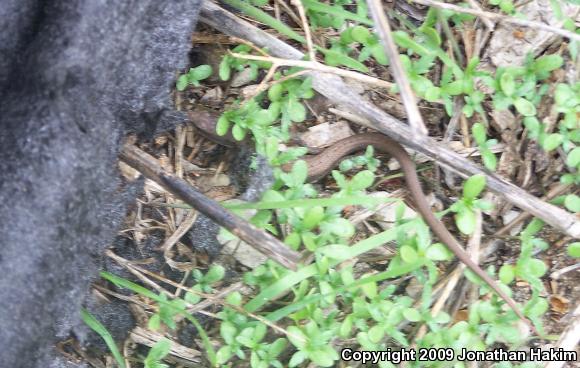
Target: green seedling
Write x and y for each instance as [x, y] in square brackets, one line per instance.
[488, 157]
[230, 63]
[465, 207]
[159, 351]
[193, 77]
[507, 6]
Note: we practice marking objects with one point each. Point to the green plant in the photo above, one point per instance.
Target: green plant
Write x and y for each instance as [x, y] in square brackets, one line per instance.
[249, 117]
[529, 269]
[312, 344]
[369, 42]
[230, 63]
[193, 77]
[488, 157]
[156, 353]
[98, 327]
[567, 100]
[367, 160]
[574, 250]
[517, 86]
[465, 207]
[507, 6]
[289, 95]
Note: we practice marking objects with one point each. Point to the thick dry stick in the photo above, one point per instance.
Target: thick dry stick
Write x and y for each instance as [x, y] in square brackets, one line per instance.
[260, 240]
[335, 90]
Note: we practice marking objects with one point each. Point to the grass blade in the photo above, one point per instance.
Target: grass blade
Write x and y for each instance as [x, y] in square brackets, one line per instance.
[98, 327]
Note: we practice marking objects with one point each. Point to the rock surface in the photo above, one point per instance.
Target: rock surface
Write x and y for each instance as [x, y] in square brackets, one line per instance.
[75, 77]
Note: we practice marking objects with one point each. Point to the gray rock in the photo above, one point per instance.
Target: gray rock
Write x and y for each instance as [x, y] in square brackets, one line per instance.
[75, 77]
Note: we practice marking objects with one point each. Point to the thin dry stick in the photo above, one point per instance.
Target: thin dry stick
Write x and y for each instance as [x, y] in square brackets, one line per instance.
[488, 23]
[385, 35]
[289, 11]
[501, 18]
[259, 239]
[302, 13]
[319, 67]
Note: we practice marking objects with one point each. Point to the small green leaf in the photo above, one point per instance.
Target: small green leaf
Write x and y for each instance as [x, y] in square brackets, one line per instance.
[378, 52]
[552, 142]
[507, 83]
[200, 72]
[533, 125]
[224, 354]
[297, 337]
[360, 34]
[192, 298]
[275, 92]
[403, 40]
[489, 160]
[215, 273]
[340, 227]
[346, 327]
[370, 289]
[454, 88]
[572, 203]
[547, 63]
[438, 252]
[465, 221]
[239, 133]
[224, 70]
[297, 359]
[341, 59]
[313, 217]
[479, 133]
[412, 315]
[362, 180]
[293, 240]
[336, 251]
[442, 318]
[228, 331]
[409, 254]
[158, 351]
[486, 311]
[574, 250]
[525, 107]
[564, 95]
[507, 274]
[473, 186]
[234, 298]
[299, 172]
[537, 308]
[376, 333]
[154, 322]
[223, 125]
[296, 110]
[573, 158]
[182, 82]
[432, 93]
[536, 267]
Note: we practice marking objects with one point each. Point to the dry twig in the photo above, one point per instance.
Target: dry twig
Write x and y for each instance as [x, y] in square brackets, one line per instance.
[259, 239]
[312, 65]
[407, 95]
